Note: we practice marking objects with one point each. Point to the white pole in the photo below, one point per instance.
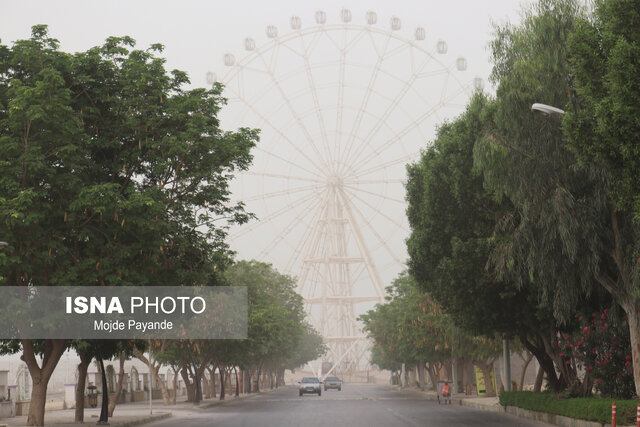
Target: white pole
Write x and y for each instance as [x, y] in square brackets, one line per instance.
[150, 382]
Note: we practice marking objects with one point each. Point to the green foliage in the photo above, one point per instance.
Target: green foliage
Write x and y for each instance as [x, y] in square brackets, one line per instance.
[595, 409]
[452, 218]
[113, 172]
[278, 334]
[603, 125]
[552, 238]
[409, 328]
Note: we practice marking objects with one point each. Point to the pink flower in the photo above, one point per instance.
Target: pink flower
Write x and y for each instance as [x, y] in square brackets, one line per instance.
[566, 336]
[589, 368]
[627, 357]
[585, 330]
[598, 380]
[598, 363]
[604, 328]
[561, 354]
[627, 363]
[568, 362]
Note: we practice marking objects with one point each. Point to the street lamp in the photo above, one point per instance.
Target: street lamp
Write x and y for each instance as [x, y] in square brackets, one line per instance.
[546, 110]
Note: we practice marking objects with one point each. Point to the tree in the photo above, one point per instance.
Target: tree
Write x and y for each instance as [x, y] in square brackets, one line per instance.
[553, 237]
[603, 130]
[113, 174]
[409, 328]
[453, 220]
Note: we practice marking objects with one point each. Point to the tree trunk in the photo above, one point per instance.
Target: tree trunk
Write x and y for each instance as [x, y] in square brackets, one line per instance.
[184, 372]
[237, 383]
[247, 380]
[221, 370]
[116, 396]
[523, 372]
[420, 366]
[40, 376]
[85, 361]
[104, 409]
[155, 371]
[212, 381]
[175, 386]
[632, 307]
[539, 377]
[545, 361]
[258, 379]
[432, 376]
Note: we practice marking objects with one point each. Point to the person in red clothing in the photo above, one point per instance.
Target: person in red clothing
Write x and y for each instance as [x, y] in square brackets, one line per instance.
[446, 390]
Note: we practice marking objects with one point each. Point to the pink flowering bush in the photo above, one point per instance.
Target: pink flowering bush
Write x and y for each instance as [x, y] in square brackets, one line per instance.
[602, 348]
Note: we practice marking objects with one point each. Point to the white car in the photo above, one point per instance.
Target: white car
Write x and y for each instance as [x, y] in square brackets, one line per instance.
[310, 385]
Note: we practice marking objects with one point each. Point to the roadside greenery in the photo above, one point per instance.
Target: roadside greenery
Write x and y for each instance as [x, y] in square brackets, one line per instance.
[520, 220]
[115, 173]
[592, 409]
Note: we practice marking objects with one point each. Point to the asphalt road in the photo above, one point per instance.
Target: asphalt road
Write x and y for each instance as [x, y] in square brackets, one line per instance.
[365, 405]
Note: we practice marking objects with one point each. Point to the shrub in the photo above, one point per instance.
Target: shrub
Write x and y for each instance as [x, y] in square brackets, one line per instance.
[603, 349]
[585, 408]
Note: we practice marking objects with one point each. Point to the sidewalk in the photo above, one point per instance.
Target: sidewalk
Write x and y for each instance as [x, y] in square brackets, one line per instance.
[126, 414]
[65, 419]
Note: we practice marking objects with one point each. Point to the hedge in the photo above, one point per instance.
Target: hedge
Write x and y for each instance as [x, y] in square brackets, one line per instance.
[585, 408]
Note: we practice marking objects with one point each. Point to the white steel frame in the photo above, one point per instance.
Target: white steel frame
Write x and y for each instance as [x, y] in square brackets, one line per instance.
[336, 179]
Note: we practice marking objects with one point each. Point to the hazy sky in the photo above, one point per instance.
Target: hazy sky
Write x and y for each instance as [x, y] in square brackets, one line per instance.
[197, 33]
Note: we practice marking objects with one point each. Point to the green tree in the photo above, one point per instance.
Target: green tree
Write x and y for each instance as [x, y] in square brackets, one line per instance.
[603, 130]
[551, 240]
[113, 174]
[453, 222]
[410, 328]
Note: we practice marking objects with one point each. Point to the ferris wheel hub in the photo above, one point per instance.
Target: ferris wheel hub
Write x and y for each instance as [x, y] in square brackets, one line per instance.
[335, 182]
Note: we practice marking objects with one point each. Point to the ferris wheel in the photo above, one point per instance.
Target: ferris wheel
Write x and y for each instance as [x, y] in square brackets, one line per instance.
[342, 108]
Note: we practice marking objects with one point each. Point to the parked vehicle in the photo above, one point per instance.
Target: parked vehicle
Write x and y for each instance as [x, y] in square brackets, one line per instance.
[310, 385]
[332, 382]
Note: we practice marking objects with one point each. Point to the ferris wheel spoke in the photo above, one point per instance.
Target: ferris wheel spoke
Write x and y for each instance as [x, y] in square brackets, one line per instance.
[294, 164]
[393, 162]
[382, 196]
[292, 110]
[295, 221]
[413, 125]
[377, 211]
[443, 93]
[275, 175]
[376, 181]
[306, 240]
[390, 108]
[316, 103]
[278, 193]
[275, 128]
[355, 127]
[373, 230]
[263, 221]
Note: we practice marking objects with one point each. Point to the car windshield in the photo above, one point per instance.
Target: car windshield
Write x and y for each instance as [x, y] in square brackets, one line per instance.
[332, 379]
[310, 380]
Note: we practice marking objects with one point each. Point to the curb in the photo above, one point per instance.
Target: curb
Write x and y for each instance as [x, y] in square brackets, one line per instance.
[488, 408]
[149, 419]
